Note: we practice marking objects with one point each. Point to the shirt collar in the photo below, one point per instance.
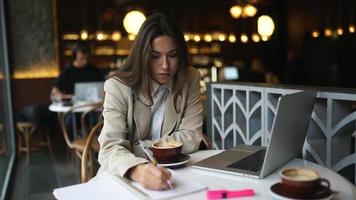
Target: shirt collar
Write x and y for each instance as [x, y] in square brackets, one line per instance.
[156, 86]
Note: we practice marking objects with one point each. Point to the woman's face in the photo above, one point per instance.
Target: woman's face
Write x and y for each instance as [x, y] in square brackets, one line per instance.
[164, 59]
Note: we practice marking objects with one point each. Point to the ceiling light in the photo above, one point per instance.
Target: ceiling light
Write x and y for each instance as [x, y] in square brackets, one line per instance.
[101, 36]
[133, 21]
[208, 38]
[131, 37]
[221, 37]
[196, 38]
[244, 38]
[339, 31]
[255, 37]
[236, 11]
[328, 32]
[186, 37]
[249, 11]
[232, 38]
[315, 34]
[84, 34]
[116, 36]
[70, 36]
[265, 26]
[264, 38]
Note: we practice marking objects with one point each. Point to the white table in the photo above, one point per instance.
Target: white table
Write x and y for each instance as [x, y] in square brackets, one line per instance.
[214, 180]
[59, 108]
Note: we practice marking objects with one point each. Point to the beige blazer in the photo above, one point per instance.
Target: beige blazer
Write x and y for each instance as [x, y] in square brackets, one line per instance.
[127, 119]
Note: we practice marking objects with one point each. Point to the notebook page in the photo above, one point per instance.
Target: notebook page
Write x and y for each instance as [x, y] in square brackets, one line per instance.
[105, 188]
[182, 186]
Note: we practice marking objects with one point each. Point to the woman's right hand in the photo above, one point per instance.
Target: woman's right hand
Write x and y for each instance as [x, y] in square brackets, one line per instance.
[151, 176]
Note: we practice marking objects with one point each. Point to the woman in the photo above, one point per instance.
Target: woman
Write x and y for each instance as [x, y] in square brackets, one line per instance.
[153, 97]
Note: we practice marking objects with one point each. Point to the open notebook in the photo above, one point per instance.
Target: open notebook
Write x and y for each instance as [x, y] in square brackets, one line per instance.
[108, 187]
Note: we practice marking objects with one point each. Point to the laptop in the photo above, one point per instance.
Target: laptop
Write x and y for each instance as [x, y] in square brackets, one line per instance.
[288, 134]
[89, 91]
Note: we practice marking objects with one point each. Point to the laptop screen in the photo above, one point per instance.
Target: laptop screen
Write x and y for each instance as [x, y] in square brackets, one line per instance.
[89, 91]
[231, 73]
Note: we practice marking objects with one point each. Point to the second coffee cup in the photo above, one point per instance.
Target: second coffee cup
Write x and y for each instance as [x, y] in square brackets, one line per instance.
[302, 181]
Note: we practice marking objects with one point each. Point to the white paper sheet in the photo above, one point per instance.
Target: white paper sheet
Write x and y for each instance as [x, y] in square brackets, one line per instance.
[182, 186]
[105, 188]
[111, 188]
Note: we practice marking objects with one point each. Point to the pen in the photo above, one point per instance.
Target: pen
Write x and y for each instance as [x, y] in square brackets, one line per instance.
[225, 194]
[153, 161]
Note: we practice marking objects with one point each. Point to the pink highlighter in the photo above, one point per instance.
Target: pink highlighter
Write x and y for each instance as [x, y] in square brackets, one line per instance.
[225, 194]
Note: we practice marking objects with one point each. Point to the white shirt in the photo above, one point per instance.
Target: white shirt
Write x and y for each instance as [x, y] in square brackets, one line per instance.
[159, 96]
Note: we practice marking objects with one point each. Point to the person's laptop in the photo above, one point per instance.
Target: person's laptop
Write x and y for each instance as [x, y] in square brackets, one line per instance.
[89, 91]
[286, 141]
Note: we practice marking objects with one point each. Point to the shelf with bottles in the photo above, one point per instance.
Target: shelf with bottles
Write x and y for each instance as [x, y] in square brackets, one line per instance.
[208, 66]
[101, 49]
[106, 55]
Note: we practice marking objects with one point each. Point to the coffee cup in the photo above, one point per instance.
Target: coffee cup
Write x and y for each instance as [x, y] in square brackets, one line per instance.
[167, 151]
[67, 101]
[302, 181]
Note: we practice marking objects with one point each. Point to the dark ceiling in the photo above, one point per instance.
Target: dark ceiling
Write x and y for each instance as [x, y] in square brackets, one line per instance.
[197, 15]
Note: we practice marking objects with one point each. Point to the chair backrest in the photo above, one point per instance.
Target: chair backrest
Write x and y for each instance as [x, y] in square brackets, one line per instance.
[84, 111]
[86, 160]
[85, 117]
[207, 143]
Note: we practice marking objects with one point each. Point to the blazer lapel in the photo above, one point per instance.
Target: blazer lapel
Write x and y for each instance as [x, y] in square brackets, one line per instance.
[170, 114]
[142, 115]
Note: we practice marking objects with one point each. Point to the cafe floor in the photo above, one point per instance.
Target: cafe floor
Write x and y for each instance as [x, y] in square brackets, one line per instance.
[36, 180]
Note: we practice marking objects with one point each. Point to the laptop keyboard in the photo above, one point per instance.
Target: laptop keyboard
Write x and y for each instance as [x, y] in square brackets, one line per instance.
[252, 162]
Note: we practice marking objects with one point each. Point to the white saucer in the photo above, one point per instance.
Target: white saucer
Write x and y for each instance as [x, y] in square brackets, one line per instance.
[184, 159]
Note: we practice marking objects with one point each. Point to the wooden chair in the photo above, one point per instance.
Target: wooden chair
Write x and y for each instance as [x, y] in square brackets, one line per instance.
[26, 130]
[207, 142]
[87, 164]
[78, 144]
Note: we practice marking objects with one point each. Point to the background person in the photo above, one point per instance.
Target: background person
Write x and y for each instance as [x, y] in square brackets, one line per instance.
[258, 73]
[153, 97]
[80, 70]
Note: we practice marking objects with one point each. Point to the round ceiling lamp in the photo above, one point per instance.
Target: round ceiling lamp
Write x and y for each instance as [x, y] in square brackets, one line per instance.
[244, 38]
[328, 32]
[339, 31]
[249, 11]
[265, 26]
[84, 35]
[116, 36]
[232, 38]
[315, 34]
[133, 21]
[255, 37]
[236, 11]
[208, 38]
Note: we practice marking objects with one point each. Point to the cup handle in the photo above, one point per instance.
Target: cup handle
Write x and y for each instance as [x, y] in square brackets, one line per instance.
[323, 180]
[326, 183]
